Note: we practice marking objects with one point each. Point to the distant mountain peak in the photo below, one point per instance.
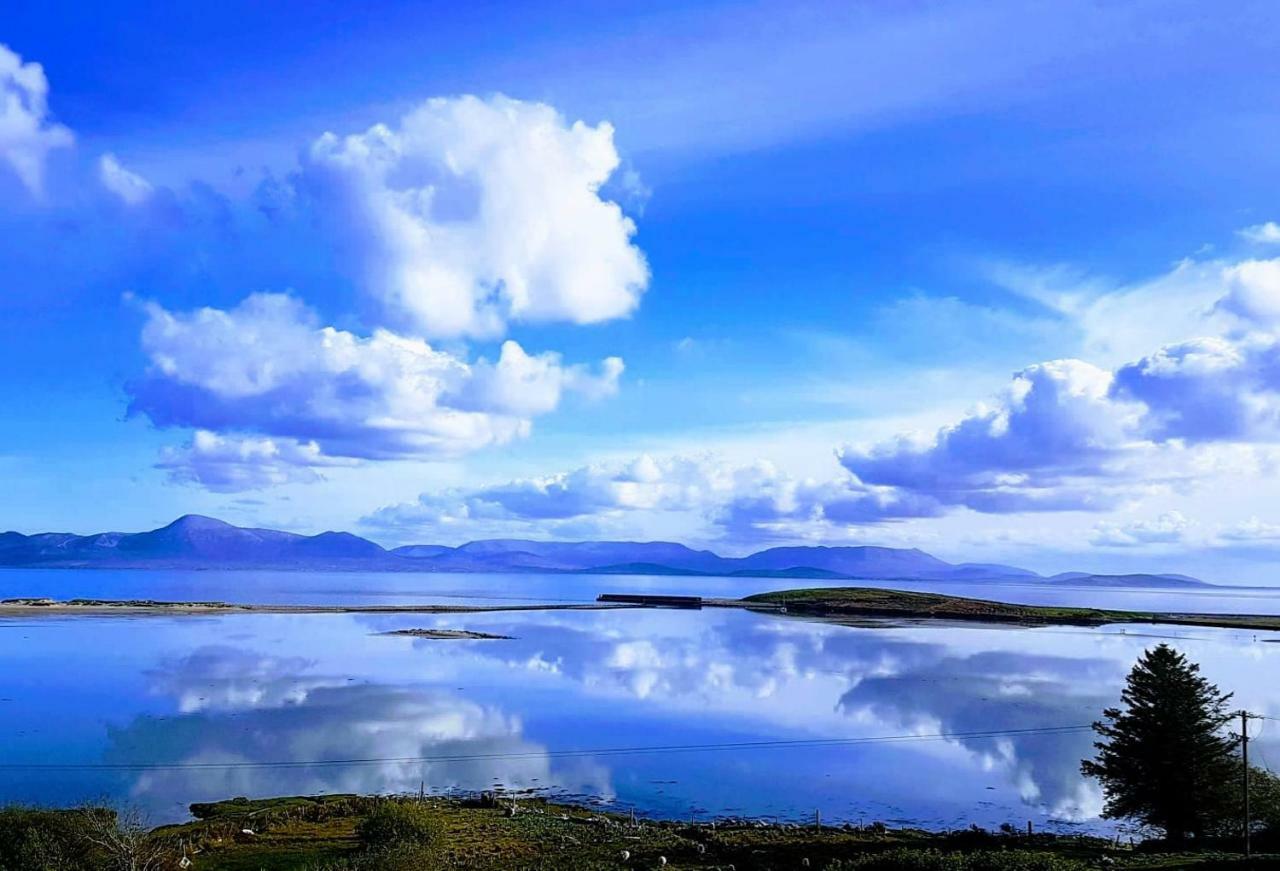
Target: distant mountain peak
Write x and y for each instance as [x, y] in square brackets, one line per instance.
[198, 541]
[196, 524]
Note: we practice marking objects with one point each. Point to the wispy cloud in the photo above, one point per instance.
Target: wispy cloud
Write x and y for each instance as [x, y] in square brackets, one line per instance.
[27, 132]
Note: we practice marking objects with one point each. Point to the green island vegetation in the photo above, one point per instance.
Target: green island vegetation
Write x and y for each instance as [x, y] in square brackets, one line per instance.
[869, 602]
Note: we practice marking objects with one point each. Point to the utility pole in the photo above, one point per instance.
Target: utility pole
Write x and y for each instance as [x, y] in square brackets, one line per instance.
[1244, 748]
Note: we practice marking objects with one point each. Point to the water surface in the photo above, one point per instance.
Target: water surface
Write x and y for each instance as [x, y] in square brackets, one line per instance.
[242, 704]
[253, 586]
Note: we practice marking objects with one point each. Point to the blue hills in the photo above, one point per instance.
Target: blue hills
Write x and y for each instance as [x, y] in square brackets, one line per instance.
[196, 542]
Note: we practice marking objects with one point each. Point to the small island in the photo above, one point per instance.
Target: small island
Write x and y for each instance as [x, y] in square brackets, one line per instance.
[448, 634]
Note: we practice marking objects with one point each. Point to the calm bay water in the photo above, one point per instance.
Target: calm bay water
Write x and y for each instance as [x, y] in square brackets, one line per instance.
[497, 588]
[241, 705]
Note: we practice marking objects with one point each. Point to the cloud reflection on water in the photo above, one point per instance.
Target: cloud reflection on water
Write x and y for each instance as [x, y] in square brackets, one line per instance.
[296, 688]
[236, 708]
[837, 681]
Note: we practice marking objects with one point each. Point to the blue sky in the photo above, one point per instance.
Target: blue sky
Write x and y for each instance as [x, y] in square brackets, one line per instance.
[993, 280]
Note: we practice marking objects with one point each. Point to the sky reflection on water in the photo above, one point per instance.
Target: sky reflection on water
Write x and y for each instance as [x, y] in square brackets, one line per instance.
[295, 689]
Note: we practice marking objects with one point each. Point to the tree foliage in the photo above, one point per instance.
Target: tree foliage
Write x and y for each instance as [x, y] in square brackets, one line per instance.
[1165, 758]
[42, 840]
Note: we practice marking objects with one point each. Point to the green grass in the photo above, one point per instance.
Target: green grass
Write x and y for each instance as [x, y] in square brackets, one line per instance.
[304, 834]
[323, 834]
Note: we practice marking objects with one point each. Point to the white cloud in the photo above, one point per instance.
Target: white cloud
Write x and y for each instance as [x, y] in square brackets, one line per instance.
[230, 464]
[715, 499]
[1209, 389]
[1251, 531]
[1262, 234]
[769, 504]
[473, 213]
[1168, 528]
[130, 187]
[1071, 435]
[268, 368]
[27, 135]
[524, 384]
[1044, 445]
[1065, 435]
[1253, 291]
[643, 484]
[1117, 322]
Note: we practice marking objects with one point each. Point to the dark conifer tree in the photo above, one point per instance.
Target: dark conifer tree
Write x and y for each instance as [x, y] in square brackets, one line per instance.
[1165, 759]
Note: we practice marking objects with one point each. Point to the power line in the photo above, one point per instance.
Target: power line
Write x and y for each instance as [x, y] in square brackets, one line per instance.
[604, 751]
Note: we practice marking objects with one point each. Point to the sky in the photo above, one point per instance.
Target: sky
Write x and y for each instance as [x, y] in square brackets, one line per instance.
[1000, 281]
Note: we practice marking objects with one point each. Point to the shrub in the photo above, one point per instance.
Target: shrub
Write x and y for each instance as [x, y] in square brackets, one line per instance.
[936, 860]
[393, 859]
[42, 840]
[397, 824]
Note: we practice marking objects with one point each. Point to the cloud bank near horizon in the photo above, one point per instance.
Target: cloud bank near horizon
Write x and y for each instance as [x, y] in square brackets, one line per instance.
[1064, 436]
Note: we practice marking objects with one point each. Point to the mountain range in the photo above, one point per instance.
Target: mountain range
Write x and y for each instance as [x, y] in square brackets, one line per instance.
[195, 542]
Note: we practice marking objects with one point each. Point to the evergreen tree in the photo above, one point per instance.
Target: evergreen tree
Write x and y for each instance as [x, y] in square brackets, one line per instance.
[1164, 759]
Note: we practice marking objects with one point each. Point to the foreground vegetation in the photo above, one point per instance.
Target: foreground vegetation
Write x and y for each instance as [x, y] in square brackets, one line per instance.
[354, 833]
[858, 602]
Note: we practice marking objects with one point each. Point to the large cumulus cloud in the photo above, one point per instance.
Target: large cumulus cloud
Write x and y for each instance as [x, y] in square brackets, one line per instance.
[466, 216]
[267, 367]
[1068, 435]
[1037, 447]
[1209, 389]
[473, 213]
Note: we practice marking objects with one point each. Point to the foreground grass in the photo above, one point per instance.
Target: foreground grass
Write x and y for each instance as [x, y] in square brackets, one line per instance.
[354, 833]
[848, 602]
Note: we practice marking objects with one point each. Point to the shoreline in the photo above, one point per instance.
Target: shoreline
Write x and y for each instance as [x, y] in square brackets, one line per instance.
[835, 604]
[35, 607]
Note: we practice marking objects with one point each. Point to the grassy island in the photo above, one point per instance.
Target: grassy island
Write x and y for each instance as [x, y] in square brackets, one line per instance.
[866, 602]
